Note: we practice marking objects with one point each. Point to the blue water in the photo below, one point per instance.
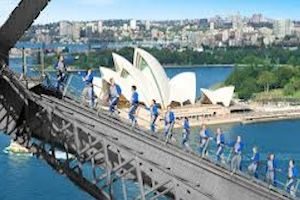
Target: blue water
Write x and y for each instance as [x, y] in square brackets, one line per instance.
[73, 48]
[24, 177]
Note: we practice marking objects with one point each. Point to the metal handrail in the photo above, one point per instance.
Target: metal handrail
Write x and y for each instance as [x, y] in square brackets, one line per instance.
[227, 154]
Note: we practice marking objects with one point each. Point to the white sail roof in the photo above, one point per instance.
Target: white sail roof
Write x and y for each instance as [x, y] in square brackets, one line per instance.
[183, 87]
[154, 72]
[222, 95]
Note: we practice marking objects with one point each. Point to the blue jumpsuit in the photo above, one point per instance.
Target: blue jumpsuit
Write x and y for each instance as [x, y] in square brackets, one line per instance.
[186, 132]
[220, 145]
[154, 115]
[61, 74]
[89, 85]
[169, 124]
[203, 142]
[252, 168]
[292, 180]
[237, 156]
[133, 107]
[114, 95]
[271, 172]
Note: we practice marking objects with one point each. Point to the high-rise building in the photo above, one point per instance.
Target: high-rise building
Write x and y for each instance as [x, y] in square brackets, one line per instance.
[283, 28]
[237, 22]
[100, 26]
[225, 35]
[92, 26]
[148, 25]
[256, 18]
[203, 23]
[65, 29]
[133, 24]
[212, 26]
[125, 27]
[76, 28]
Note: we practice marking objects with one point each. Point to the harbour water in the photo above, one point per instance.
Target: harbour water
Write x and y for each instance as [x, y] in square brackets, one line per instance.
[30, 178]
[25, 177]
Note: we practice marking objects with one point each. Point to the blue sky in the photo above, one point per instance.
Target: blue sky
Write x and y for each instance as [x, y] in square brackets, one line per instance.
[157, 9]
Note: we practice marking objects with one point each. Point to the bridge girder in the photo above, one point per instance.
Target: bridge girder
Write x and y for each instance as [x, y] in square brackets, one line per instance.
[18, 22]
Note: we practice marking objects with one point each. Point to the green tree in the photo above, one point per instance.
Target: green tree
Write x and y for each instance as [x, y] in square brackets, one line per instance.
[248, 88]
[284, 74]
[266, 79]
[296, 82]
[288, 89]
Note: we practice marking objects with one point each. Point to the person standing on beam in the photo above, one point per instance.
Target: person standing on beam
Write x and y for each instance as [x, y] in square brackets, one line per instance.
[134, 103]
[292, 179]
[237, 155]
[204, 140]
[252, 168]
[186, 133]
[89, 88]
[114, 95]
[220, 139]
[61, 68]
[169, 123]
[153, 114]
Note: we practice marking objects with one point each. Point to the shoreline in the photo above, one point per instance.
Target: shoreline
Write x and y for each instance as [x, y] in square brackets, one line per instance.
[168, 66]
[256, 116]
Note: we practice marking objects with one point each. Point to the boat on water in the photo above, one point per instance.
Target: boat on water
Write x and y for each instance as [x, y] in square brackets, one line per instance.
[16, 148]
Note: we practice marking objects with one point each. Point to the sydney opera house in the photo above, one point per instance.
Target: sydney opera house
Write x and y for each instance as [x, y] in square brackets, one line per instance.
[151, 80]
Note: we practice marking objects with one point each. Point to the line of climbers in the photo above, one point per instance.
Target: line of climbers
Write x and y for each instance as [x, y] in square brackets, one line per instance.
[237, 146]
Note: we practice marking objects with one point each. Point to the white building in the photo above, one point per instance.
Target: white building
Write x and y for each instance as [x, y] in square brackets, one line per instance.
[283, 28]
[151, 80]
[212, 26]
[65, 28]
[148, 25]
[76, 28]
[133, 24]
[222, 96]
[100, 26]
[225, 35]
[125, 27]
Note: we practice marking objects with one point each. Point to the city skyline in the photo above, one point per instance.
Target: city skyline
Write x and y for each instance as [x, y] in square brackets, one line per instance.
[156, 10]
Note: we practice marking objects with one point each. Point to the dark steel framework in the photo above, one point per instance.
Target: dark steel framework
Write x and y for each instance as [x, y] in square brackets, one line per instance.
[100, 142]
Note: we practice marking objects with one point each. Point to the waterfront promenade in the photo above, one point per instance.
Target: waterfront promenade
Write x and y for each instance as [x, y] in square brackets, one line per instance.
[256, 115]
